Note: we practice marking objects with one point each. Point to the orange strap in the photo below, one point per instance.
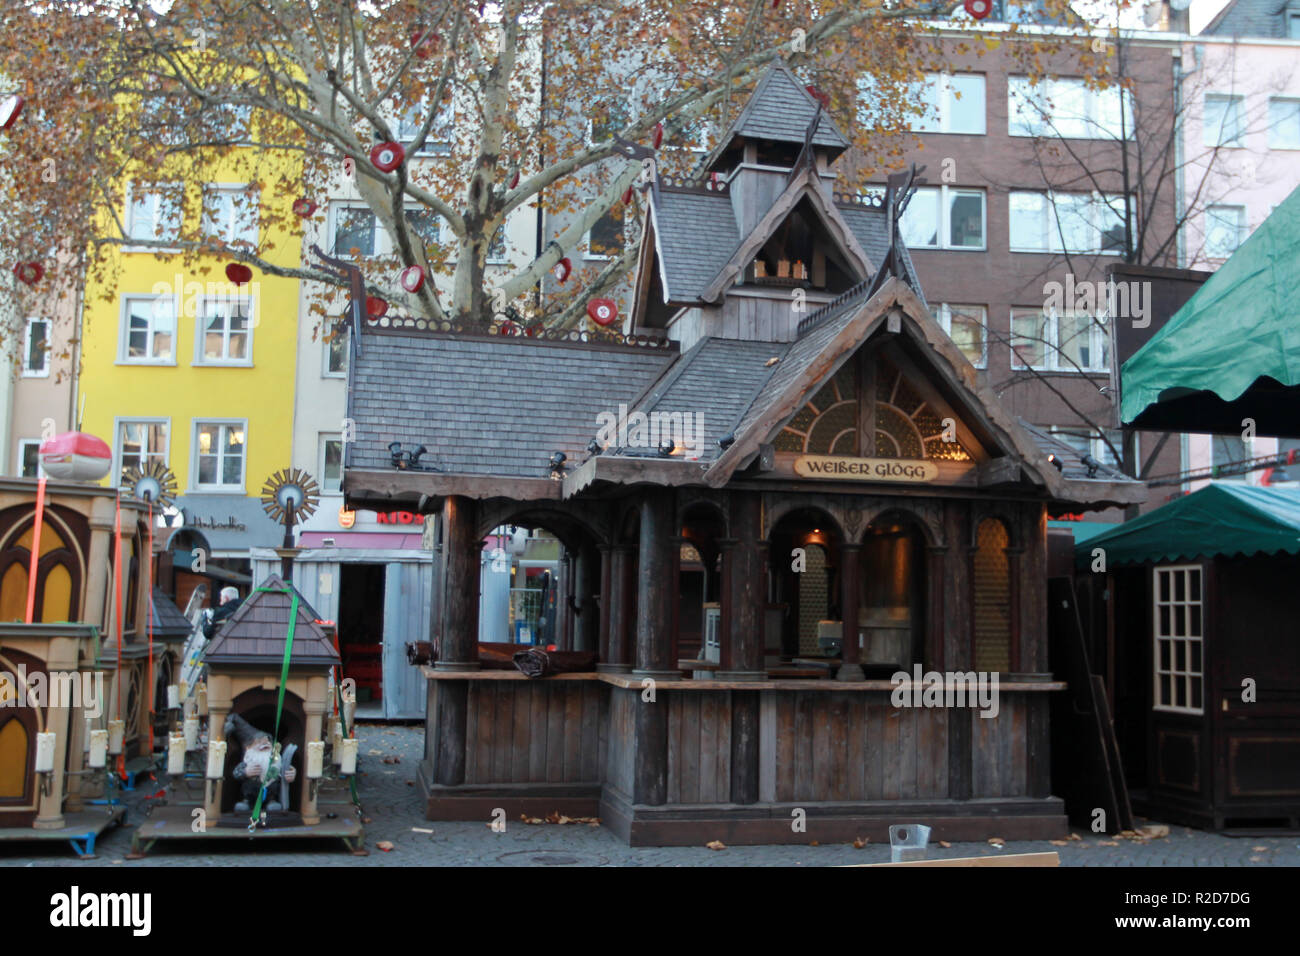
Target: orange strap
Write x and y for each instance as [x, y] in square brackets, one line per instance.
[36, 548]
[148, 563]
[117, 614]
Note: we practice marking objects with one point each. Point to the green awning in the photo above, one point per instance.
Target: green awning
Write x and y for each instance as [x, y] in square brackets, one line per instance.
[1241, 326]
[1224, 518]
[1083, 530]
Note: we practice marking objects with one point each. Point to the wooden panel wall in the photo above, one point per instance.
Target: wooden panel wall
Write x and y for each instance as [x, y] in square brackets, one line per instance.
[535, 731]
[621, 751]
[699, 747]
[1000, 749]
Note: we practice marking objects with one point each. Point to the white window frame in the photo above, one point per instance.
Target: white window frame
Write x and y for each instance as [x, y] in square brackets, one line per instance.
[119, 421]
[945, 321]
[1098, 342]
[201, 332]
[44, 370]
[1050, 227]
[157, 191]
[1032, 100]
[1242, 229]
[1096, 442]
[228, 232]
[325, 358]
[1187, 674]
[218, 488]
[940, 87]
[595, 256]
[384, 245]
[1212, 140]
[124, 329]
[18, 465]
[445, 123]
[1293, 102]
[944, 233]
[324, 438]
[503, 258]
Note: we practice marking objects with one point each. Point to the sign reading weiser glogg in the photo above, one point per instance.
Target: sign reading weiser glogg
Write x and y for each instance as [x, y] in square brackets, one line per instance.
[865, 469]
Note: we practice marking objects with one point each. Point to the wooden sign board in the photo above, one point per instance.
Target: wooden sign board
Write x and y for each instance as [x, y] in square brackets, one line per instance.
[865, 469]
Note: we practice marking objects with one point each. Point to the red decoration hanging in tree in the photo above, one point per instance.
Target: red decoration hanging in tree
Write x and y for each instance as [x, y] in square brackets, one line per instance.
[238, 273]
[424, 43]
[29, 273]
[602, 311]
[514, 180]
[562, 269]
[412, 278]
[304, 207]
[627, 196]
[10, 107]
[819, 96]
[387, 156]
[376, 308]
[979, 9]
[659, 135]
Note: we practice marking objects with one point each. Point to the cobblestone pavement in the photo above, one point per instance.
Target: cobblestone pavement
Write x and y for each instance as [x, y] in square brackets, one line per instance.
[391, 800]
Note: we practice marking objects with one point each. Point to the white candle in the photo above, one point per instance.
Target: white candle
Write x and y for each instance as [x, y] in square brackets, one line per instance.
[336, 739]
[98, 749]
[348, 765]
[201, 697]
[349, 711]
[45, 752]
[191, 733]
[315, 759]
[176, 754]
[216, 759]
[184, 690]
[173, 697]
[116, 734]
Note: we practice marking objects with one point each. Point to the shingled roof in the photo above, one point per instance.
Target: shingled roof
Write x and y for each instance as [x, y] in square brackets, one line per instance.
[1252, 18]
[696, 234]
[168, 622]
[256, 633]
[781, 109]
[489, 405]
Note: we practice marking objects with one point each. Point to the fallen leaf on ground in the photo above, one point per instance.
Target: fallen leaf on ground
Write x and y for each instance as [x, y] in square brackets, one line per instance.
[1074, 836]
[945, 844]
[716, 845]
[1059, 842]
[1107, 843]
[1154, 831]
[814, 843]
[385, 846]
[997, 841]
[1259, 849]
[1256, 859]
[528, 819]
[860, 842]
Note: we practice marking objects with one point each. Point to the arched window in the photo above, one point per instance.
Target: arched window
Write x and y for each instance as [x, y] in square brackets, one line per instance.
[992, 579]
[13, 759]
[58, 575]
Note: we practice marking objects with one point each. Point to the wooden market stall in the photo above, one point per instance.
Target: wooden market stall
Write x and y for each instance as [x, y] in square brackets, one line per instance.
[857, 506]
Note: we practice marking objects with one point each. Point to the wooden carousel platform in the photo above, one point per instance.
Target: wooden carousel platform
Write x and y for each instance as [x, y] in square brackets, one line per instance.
[81, 831]
[177, 823]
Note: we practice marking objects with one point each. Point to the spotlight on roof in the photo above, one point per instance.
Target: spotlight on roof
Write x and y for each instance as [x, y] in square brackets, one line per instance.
[415, 456]
[1092, 464]
[593, 447]
[557, 465]
[667, 447]
[727, 440]
[1057, 462]
[395, 449]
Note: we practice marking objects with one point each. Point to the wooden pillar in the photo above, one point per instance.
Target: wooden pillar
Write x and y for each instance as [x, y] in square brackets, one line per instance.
[850, 580]
[744, 746]
[746, 590]
[1022, 638]
[602, 601]
[314, 705]
[617, 660]
[588, 576]
[656, 590]
[462, 550]
[650, 773]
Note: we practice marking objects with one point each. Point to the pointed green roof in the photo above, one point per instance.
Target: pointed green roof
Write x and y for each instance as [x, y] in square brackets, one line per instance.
[1242, 325]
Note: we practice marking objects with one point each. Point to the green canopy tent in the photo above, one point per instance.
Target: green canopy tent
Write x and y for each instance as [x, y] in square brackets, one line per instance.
[1221, 519]
[1232, 352]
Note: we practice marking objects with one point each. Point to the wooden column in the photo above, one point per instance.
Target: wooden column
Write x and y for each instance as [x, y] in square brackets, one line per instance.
[462, 550]
[617, 661]
[587, 578]
[650, 774]
[850, 650]
[744, 746]
[1022, 638]
[458, 639]
[602, 601]
[746, 590]
[656, 589]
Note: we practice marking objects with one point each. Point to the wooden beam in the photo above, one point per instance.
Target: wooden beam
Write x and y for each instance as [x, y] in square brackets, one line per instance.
[1010, 859]
[368, 488]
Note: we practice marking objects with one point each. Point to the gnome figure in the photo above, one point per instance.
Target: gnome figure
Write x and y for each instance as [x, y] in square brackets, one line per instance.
[262, 766]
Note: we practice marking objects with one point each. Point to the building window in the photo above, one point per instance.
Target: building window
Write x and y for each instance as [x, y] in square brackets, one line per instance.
[438, 142]
[497, 247]
[607, 120]
[1224, 121]
[162, 120]
[966, 325]
[140, 443]
[605, 237]
[218, 456]
[992, 585]
[1283, 123]
[225, 332]
[331, 463]
[1090, 441]
[36, 349]
[29, 458]
[1293, 26]
[1080, 223]
[1178, 629]
[954, 103]
[230, 215]
[1229, 452]
[1224, 227]
[1068, 109]
[153, 213]
[944, 217]
[1062, 342]
[426, 224]
[354, 228]
[336, 352]
[148, 330]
